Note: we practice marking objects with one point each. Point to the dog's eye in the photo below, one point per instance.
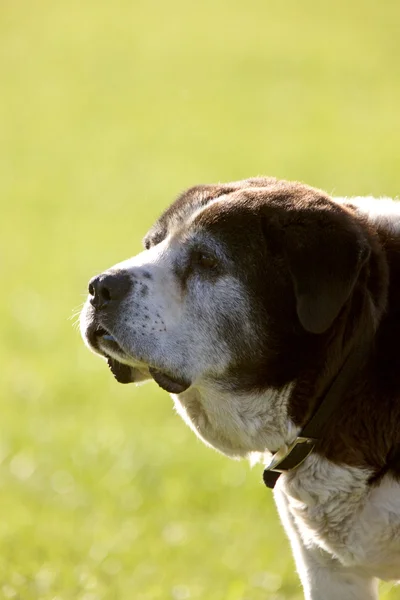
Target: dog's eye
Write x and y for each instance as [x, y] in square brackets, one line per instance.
[205, 261]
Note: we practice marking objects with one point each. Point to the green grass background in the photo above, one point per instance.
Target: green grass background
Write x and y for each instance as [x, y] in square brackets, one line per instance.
[107, 111]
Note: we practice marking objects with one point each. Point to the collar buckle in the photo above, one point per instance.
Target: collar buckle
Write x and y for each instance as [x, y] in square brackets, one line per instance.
[284, 454]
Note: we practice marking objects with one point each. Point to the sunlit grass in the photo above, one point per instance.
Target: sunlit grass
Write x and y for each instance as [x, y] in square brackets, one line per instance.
[107, 111]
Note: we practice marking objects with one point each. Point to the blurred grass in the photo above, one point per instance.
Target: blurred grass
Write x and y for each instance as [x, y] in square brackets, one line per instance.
[107, 111]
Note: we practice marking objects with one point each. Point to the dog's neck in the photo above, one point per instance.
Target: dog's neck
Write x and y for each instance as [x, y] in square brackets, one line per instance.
[238, 424]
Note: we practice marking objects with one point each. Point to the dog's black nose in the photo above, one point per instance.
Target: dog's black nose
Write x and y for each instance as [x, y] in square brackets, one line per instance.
[108, 287]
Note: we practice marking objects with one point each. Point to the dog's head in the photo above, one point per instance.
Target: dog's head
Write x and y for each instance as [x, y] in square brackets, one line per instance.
[233, 300]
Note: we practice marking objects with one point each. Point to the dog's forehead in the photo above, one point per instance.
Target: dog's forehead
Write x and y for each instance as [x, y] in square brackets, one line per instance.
[235, 206]
[193, 200]
[240, 210]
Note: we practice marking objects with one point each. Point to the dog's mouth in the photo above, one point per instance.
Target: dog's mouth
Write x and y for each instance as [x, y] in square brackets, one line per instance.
[107, 345]
[122, 373]
[117, 360]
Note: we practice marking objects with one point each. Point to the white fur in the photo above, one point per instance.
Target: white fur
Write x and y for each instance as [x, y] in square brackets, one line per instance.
[344, 534]
[383, 211]
[237, 425]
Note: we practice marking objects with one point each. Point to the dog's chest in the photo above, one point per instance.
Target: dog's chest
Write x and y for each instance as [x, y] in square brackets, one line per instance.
[334, 509]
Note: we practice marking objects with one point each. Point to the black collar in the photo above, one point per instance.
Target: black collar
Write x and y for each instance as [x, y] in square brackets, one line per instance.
[290, 457]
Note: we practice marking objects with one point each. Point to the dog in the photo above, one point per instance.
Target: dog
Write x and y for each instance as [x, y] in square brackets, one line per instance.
[271, 313]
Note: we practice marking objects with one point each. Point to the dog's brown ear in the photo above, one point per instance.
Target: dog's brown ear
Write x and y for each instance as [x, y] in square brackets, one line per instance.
[324, 258]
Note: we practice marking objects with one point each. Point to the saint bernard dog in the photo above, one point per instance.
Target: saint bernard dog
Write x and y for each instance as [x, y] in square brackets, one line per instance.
[245, 306]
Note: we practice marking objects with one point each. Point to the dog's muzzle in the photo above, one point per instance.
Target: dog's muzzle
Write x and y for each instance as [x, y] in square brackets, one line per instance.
[106, 292]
